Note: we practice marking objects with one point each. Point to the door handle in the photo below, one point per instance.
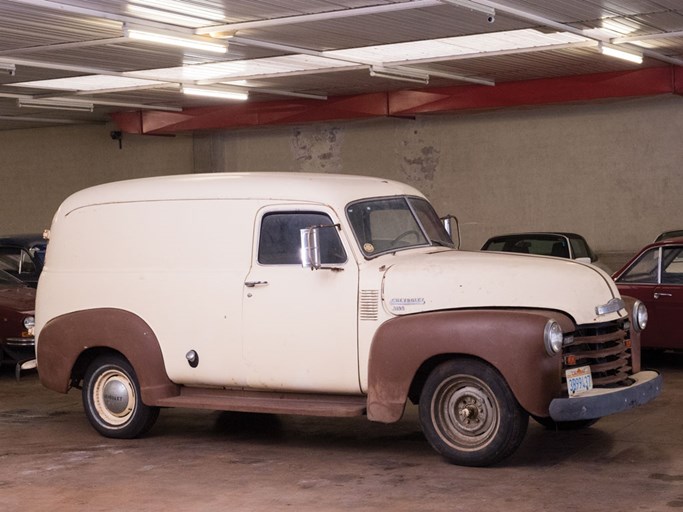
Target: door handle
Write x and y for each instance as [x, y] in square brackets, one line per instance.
[251, 284]
[660, 294]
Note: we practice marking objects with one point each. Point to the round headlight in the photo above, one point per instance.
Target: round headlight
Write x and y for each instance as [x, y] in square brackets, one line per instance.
[29, 322]
[552, 337]
[639, 316]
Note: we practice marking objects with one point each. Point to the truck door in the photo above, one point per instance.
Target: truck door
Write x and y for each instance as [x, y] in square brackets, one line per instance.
[300, 325]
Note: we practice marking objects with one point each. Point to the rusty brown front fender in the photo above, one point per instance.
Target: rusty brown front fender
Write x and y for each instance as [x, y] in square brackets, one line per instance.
[509, 340]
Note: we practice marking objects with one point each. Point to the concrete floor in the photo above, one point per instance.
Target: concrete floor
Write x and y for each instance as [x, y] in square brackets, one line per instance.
[51, 459]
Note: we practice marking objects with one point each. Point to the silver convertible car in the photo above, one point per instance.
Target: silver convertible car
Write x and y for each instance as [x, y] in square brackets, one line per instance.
[557, 244]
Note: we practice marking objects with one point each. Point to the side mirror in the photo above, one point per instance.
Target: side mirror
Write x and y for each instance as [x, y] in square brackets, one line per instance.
[583, 260]
[310, 248]
[451, 225]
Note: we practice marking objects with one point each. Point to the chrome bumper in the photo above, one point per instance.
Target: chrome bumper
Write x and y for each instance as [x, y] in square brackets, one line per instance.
[599, 402]
[20, 342]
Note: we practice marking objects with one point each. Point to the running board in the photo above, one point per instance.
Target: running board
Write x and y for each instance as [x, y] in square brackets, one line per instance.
[267, 402]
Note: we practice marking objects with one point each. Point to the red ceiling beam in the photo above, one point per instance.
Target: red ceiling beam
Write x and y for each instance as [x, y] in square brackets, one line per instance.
[254, 114]
[582, 88]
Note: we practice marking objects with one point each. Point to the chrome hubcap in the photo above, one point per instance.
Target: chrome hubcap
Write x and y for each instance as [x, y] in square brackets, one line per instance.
[465, 412]
[114, 397]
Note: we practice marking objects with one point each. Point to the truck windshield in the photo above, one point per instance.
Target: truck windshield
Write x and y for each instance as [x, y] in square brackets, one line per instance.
[391, 224]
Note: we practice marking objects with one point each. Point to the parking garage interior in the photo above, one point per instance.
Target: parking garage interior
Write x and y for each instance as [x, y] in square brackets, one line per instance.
[531, 135]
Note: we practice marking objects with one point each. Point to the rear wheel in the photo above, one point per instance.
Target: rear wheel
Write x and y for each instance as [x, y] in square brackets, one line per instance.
[112, 401]
[469, 415]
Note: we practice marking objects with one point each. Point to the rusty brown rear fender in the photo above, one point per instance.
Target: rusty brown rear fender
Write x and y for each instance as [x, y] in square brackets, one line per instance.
[405, 349]
[66, 339]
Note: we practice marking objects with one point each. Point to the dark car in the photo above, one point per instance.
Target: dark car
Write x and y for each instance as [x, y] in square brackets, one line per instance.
[560, 245]
[655, 276]
[23, 256]
[17, 305]
[669, 234]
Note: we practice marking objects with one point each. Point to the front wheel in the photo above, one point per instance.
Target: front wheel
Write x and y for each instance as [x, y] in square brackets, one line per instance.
[112, 401]
[469, 415]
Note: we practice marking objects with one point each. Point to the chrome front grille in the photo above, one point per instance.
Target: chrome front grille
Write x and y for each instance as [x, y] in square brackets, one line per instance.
[606, 348]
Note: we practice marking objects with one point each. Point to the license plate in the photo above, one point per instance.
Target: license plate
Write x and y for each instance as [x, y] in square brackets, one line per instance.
[579, 380]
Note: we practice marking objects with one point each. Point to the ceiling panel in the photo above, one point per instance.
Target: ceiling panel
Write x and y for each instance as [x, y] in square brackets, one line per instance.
[302, 48]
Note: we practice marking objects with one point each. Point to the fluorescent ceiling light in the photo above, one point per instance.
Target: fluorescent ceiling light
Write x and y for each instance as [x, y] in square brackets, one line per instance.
[399, 74]
[621, 54]
[215, 93]
[174, 40]
[56, 104]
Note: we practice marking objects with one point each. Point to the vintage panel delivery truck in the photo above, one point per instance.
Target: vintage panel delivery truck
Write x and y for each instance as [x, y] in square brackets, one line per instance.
[327, 295]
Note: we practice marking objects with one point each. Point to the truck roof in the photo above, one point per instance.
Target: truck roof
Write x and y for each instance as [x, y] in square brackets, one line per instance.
[294, 186]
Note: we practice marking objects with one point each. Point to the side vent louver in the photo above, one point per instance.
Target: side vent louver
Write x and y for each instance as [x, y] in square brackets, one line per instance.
[369, 304]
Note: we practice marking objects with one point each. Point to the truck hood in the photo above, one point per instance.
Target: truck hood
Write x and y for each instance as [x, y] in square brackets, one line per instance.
[460, 279]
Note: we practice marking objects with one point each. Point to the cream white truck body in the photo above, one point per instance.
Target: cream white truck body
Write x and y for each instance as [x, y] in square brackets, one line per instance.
[184, 255]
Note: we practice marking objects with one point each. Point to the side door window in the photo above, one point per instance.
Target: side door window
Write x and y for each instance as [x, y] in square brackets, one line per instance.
[645, 270]
[672, 265]
[280, 238]
[580, 248]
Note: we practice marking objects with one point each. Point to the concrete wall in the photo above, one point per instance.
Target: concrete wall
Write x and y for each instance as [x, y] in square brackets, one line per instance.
[608, 171]
[39, 168]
